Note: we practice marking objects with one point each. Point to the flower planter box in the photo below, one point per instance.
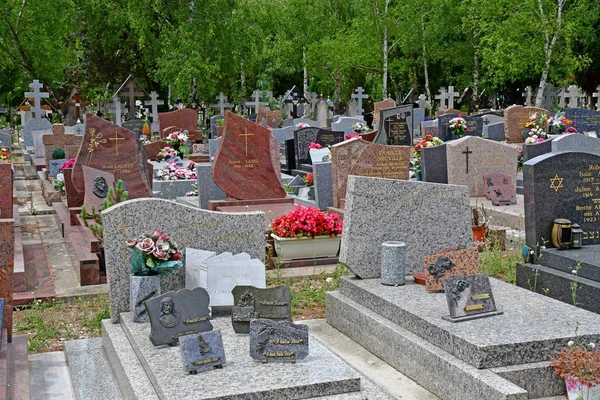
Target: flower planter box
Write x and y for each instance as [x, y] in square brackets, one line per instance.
[302, 248]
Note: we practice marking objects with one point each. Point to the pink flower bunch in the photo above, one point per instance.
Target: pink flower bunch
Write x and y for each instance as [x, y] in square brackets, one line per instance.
[165, 153]
[154, 253]
[68, 164]
[307, 222]
[352, 136]
[177, 137]
[314, 145]
[570, 130]
[302, 125]
[171, 172]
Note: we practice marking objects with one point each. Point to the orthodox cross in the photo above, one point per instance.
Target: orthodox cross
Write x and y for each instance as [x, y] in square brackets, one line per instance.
[360, 96]
[527, 94]
[451, 95]
[37, 98]
[256, 103]
[222, 104]
[467, 152]
[154, 102]
[245, 135]
[122, 228]
[131, 94]
[116, 107]
[597, 96]
[116, 139]
[573, 95]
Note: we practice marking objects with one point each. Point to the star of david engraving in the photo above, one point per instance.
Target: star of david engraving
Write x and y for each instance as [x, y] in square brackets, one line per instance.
[556, 183]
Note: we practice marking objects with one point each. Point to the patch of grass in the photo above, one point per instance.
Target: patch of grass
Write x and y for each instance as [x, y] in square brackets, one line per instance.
[500, 264]
[49, 324]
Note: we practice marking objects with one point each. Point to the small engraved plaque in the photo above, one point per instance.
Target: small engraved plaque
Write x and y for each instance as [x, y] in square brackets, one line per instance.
[202, 352]
[281, 342]
[251, 303]
[482, 296]
[469, 297]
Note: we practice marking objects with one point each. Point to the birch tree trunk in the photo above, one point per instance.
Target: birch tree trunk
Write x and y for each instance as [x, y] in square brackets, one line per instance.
[425, 69]
[338, 90]
[305, 69]
[548, 47]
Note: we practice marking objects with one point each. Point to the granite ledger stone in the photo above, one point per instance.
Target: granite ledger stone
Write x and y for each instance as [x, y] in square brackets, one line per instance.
[374, 207]
[188, 226]
[111, 148]
[246, 166]
[176, 314]
[452, 263]
[561, 185]
[272, 341]
[202, 352]
[362, 158]
[250, 303]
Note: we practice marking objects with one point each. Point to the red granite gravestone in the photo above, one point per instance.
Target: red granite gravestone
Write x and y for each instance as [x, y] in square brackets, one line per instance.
[267, 117]
[495, 181]
[186, 119]
[245, 167]
[152, 149]
[111, 148]
[6, 194]
[97, 183]
[59, 140]
[515, 118]
[379, 106]
[7, 265]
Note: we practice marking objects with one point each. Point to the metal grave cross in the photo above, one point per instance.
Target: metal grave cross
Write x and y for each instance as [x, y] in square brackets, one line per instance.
[154, 102]
[131, 94]
[442, 97]
[222, 104]
[467, 152]
[451, 95]
[597, 96]
[527, 94]
[37, 98]
[359, 96]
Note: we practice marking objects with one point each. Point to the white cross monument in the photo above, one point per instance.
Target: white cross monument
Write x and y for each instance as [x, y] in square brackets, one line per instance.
[37, 96]
[154, 102]
[222, 105]
[359, 96]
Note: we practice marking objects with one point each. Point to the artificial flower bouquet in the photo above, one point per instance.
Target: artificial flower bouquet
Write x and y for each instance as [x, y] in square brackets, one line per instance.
[428, 141]
[166, 152]
[309, 180]
[171, 172]
[458, 126]
[4, 154]
[559, 124]
[307, 222]
[359, 127]
[154, 254]
[302, 125]
[178, 140]
[579, 366]
[67, 164]
[352, 136]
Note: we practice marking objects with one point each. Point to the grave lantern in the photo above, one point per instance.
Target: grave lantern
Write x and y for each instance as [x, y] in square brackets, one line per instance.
[576, 236]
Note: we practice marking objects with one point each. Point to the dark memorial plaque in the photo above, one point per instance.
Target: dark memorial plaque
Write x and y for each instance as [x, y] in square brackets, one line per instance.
[135, 125]
[202, 352]
[305, 136]
[469, 297]
[474, 126]
[176, 314]
[251, 303]
[584, 120]
[272, 341]
[396, 127]
[561, 185]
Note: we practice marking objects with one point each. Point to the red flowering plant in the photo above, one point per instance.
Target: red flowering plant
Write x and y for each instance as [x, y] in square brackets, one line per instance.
[352, 136]
[314, 145]
[68, 164]
[577, 364]
[154, 254]
[309, 180]
[428, 141]
[4, 154]
[307, 222]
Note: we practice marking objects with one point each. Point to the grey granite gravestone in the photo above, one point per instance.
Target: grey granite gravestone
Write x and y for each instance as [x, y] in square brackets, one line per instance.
[305, 136]
[78, 129]
[283, 134]
[272, 341]
[323, 177]
[469, 297]
[54, 167]
[396, 126]
[142, 289]
[39, 149]
[6, 139]
[344, 124]
[1, 320]
[207, 188]
[187, 226]
[536, 149]
[176, 314]
[560, 185]
[430, 127]
[575, 142]
[213, 146]
[379, 210]
[34, 124]
[584, 120]
[202, 352]
[434, 164]
[494, 131]
[251, 303]
[213, 125]
[474, 127]
[134, 125]
[418, 117]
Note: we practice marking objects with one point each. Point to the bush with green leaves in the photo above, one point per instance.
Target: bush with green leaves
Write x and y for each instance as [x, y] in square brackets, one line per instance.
[58, 154]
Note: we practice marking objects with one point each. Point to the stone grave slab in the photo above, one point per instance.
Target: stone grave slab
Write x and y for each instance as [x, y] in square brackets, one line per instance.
[574, 142]
[494, 131]
[470, 157]
[247, 166]
[396, 126]
[97, 183]
[272, 341]
[110, 148]
[378, 106]
[188, 226]
[323, 173]
[434, 164]
[379, 210]
[6, 195]
[303, 138]
[441, 266]
[503, 195]
[469, 297]
[565, 184]
[344, 124]
[202, 352]
[213, 147]
[250, 303]
[362, 158]
[253, 380]
[584, 120]
[34, 124]
[515, 118]
[176, 314]
[207, 188]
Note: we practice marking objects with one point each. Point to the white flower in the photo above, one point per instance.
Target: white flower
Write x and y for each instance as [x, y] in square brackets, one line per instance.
[574, 272]
[328, 279]
[571, 343]
[591, 345]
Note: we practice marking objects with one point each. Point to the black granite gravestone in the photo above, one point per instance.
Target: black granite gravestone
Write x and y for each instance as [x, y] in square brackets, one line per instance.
[396, 127]
[584, 120]
[434, 164]
[305, 136]
[135, 125]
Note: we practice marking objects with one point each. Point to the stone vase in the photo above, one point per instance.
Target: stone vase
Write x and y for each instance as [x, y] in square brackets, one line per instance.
[142, 288]
[393, 263]
[303, 192]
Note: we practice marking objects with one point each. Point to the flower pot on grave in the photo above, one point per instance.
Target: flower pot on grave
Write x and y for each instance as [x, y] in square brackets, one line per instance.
[303, 192]
[577, 390]
[142, 288]
[317, 155]
[479, 233]
[304, 247]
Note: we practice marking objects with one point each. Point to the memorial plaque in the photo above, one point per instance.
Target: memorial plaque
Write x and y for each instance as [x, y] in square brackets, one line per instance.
[493, 181]
[396, 127]
[135, 125]
[202, 352]
[272, 341]
[305, 136]
[251, 303]
[176, 314]
[451, 263]
[561, 185]
[584, 120]
[97, 183]
[469, 297]
[503, 195]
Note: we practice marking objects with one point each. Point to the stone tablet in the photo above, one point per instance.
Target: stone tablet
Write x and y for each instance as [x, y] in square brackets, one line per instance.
[225, 274]
[251, 303]
[469, 297]
[561, 185]
[97, 183]
[434, 164]
[470, 157]
[574, 142]
[397, 126]
[503, 195]
[379, 106]
[515, 118]
[202, 352]
[116, 150]
[425, 216]
[186, 118]
[272, 341]
[247, 166]
[176, 314]
[134, 125]
[492, 180]
[362, 158]
[305, 136]
[584, 120]
[452, 263]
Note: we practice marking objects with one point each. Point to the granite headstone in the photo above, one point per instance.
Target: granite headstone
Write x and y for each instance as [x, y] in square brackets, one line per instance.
[379, 106]
[303, 138]
[272, 341]
[134, 125]
[396, 126]
[584, 120]
[251, 303]
[344, 124]
[575, 142]
[515, 118]
[213, 125]
[434, 164]
[34, 124]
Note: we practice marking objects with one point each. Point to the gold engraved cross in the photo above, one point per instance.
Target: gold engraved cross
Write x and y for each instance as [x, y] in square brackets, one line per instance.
[116, 139]
[245, 135]
[122, 228]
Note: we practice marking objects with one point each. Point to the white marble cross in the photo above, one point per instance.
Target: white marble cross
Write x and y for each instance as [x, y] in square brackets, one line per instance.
[561, 97]
[574, 95]
[422, 102]
[154, 102]
[451, 95]
[527, 95]
[131, 94]
[222, 105]
[36, 109]
[442, 96]
[117, 108]
[597, 96]
[359, 96]
[256, 103]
